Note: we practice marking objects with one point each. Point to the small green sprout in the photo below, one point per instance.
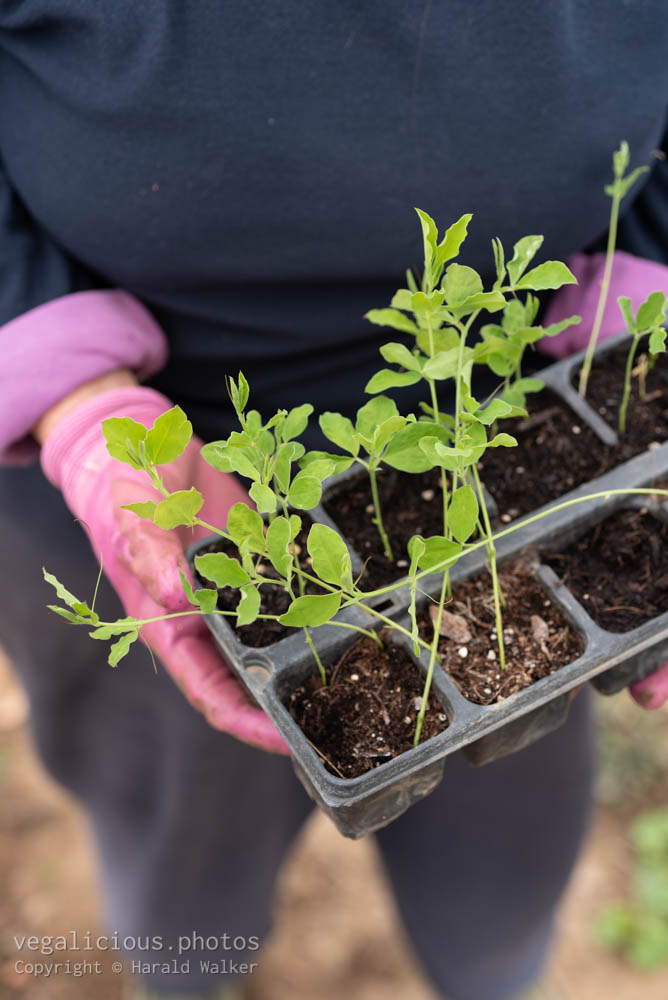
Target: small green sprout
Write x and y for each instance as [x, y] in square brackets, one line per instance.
[621, 185]
[647, 322]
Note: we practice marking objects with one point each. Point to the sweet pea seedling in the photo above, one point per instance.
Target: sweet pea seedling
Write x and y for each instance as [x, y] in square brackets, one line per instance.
[621, 185]
[285, 478]
[647, 322]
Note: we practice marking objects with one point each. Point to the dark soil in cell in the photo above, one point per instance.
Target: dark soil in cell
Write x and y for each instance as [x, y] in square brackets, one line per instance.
[538, 641]
[411, 505]
[367, 713]
[274, 600]
[556, 452]
[618, 571]
[647, 419]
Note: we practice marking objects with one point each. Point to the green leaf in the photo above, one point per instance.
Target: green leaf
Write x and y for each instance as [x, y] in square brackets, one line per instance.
[295, 526]
[385, 431]
[388, 379]
[115, 628]
[627, 182]
[443, 365]
[443, 340]
[179, 508]
[554, 328]
[311, 610]
[373, 413]
[463, 513]
[169, 437]
[491, 301]
[221, 569]
[69, 616]
[279, 536]
[339, 463]
[207, 599]
[392, 318]
[460, 283]
[323, 468]
[264, 498]
[145, 509]
[248, 607]
[215, 453]
[243, 523]
[305, 491]
[451, 243]
[330, 556]
[238, 393]
[230, 457]
[474, 440]
[121, 647]
[528, 385]
[285, 456]
[398, 354]
[620, 159]
[657, 341]
[624, 303]
[496, 410]
[437, 550]
[439, 454]
[502, 441]
[62, 592]
[340, 431]
[523, 253]
[551, 274]
[403, 451]
[427, 305]
[429, 237]
[296, 421]
[652, 311]
[402, 300]
[499, 260]
[118, 433]
[416, 548]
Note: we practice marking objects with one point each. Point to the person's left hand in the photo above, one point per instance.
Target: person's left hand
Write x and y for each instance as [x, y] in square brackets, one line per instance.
[636, 278]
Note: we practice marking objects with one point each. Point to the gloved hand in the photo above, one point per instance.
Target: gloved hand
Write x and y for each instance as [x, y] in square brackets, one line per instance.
[636, 278]
[631, 276]
[141, 560]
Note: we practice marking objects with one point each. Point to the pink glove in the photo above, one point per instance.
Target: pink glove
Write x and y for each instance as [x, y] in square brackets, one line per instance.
[631, 276]
[141, 560]
[636, 278]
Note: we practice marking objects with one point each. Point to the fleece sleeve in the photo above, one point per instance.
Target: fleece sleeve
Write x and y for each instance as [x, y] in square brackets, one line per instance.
[59, 327]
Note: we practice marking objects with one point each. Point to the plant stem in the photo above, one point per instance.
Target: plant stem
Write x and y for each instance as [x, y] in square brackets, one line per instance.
[378, 520]
[370, 633]
[627, 385]
[491, 553]
[323, 675]
[603, 295]
[430, 672]
[212, 528]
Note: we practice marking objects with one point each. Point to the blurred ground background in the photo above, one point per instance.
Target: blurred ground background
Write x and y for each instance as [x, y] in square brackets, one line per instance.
[326, 945]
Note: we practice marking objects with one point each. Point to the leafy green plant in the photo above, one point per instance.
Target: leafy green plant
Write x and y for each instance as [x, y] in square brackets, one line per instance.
[374, 434]
[638, 929]
[284, 478]
[647, 322]
[621, 185]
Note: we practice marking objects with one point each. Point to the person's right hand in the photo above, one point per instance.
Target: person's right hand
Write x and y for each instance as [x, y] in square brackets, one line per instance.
[143, 561]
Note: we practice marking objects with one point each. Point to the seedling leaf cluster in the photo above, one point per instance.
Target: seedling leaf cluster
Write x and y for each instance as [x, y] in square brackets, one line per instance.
[435, 318]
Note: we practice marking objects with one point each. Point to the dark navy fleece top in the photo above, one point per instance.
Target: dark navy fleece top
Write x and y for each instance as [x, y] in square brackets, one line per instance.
[249, 170]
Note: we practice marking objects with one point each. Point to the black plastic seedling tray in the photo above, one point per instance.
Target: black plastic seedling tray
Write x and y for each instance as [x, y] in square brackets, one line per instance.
[361, 805]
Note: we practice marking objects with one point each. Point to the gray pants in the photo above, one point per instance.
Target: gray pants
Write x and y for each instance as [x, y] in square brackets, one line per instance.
[191, 825]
